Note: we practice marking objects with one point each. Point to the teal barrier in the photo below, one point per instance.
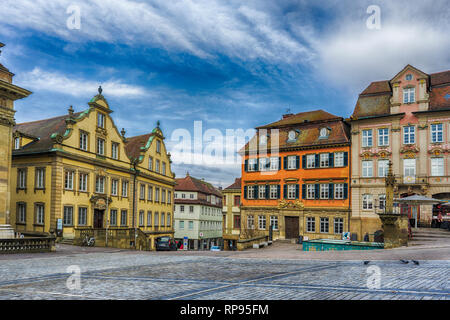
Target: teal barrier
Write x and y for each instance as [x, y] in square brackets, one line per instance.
[334, 245]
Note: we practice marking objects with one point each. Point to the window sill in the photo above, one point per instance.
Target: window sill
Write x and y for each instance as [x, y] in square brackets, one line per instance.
[21, 223]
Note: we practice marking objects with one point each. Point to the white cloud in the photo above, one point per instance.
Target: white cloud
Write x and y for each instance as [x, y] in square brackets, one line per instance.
[38, 79]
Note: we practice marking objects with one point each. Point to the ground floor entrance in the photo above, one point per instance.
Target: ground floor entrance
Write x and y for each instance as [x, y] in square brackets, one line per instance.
[291, 227]
[98, 218]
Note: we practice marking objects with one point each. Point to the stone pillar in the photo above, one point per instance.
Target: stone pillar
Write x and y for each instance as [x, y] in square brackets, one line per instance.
[8, 94]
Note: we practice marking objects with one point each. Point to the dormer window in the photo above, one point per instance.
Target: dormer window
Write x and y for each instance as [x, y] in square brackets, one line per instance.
[409, 77]
[409, 95]
[324, 132]
[17, 143]
[291, 135]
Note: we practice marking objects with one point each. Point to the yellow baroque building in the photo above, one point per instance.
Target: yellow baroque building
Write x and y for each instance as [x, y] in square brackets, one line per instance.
[77, 176]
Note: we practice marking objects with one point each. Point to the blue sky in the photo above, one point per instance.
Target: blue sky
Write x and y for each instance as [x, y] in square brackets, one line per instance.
[230, 64]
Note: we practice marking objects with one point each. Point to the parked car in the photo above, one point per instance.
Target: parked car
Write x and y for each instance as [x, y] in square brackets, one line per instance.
[215, 248]
[166, 244]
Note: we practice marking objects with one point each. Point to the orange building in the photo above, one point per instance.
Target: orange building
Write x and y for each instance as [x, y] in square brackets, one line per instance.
[295, 178]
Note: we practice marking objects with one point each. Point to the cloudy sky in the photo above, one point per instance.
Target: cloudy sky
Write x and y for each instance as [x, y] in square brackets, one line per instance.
[227, 64]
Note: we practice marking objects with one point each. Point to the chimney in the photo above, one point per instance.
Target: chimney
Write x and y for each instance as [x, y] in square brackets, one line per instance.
[287, 115]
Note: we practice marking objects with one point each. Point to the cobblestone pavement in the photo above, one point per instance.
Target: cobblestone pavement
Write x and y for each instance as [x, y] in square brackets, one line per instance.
[122, 274]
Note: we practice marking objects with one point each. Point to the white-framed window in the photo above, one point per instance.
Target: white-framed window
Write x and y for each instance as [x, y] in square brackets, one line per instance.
[100, 146]
[273, 191]
[274, 222]
[191, 209]
[115, 150]
[40, 213]
[191, 225]
[367, 139]
[292, 162]
[311, 161]
[149, 218]
[22, 213]
[158, 146]
[291, 189]
[409, 95]
[323, 133]
[311, 224]
[251, 192]
[263, 164]
[324, 225]
[181, 224]
[250, 222]
[82, 216]
[437, 167]
[338, 225]
[68, 180]
[324, 160]
[100, 184]
[382, 201]
[22, 178]
[169, 221]
[163, 168]
[142, 191]
[83, 141]
[163, 195]
[262, 139]
[124, 188]
[383, 137]
[83, 182]
[262, 192]
[367, 202]
[338, 159]
[156, 219]
[409, 169]
[252, 164]
[123, 217]
[150, 193]
[383, 168]
[141, 218]
[157, 193]
[310, 191]
[181, 208]
[68, 216]
[157, 167]
[437, 132]
[367, 168]
[169, 197]
[408, 77]
[324, 191]
[274, 163]
[40, 178]
[150, 163]
[17, 143]
[100, 120]
[339, 191]
[113, 217]
[409, 135]
[262, 222]
[114, 187]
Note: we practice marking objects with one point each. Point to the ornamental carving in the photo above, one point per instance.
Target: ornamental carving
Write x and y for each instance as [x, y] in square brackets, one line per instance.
[100, 202]
[409, 149]
[367, 155]
[437, 151]
[57, 138]
[297, 204]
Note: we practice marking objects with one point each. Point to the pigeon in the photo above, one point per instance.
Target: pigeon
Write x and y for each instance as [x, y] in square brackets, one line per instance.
[404, 261]
[415, 262]
[366, 262]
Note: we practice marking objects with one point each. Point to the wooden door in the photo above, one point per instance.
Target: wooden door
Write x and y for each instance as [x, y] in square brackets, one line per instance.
[98, 218]
[291, 227]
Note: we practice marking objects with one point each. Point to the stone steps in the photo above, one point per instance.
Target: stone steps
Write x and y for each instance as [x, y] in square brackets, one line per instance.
[67, 241]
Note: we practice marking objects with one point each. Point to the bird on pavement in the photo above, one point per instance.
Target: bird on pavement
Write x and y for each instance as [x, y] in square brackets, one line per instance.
[404, 261]
[415, 262]
[366, 262]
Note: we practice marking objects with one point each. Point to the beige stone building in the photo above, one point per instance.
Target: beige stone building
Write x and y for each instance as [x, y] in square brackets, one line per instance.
[8, 94]
[405, 120]
[231, 214]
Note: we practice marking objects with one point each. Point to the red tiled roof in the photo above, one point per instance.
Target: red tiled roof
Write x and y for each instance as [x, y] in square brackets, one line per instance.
[236, 184]
[134, 144]
[377, 87]
[41, 129]
[440, 78]
[440, 98]
[300, 118]
[189, 183]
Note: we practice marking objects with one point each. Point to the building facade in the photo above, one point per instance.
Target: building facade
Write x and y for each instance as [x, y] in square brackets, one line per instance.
[8, 94]
[231, 214]
[198, 213]
[295, 178]
[76, 173]
[404, 120]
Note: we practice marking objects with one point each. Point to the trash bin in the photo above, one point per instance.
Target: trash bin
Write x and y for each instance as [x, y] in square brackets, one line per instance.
[300, 239]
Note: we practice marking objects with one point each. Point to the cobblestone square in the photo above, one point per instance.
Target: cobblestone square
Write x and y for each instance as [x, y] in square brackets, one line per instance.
[120, 274]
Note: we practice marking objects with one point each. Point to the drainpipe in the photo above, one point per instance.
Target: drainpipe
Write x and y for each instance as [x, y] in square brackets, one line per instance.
[134, 201]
